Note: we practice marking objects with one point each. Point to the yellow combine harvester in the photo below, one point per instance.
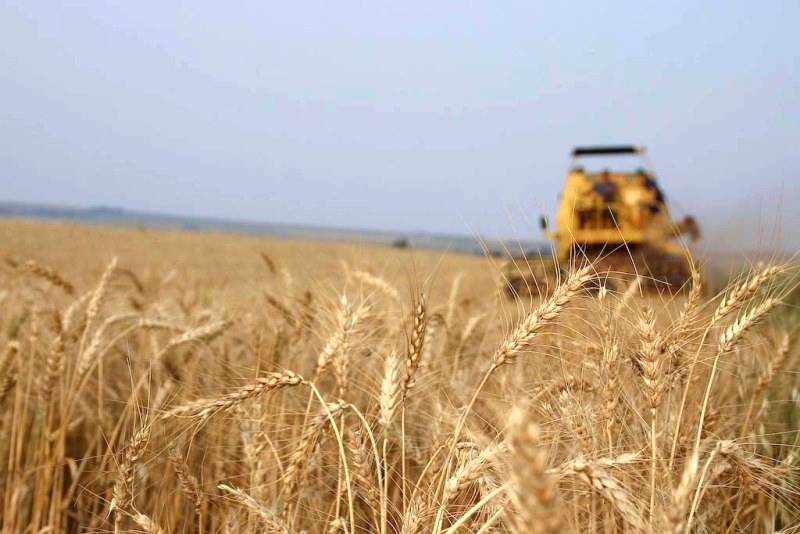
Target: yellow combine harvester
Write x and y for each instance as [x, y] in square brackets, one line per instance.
[617, 220]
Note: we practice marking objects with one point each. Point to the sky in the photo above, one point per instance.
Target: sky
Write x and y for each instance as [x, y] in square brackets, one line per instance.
[440, 116]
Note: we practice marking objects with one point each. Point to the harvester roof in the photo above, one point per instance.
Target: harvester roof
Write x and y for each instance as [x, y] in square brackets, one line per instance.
[607, 150]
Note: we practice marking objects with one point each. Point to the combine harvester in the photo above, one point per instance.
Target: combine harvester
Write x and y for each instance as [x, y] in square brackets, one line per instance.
[617, 220]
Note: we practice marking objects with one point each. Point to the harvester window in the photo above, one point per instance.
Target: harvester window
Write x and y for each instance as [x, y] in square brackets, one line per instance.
[605, 187]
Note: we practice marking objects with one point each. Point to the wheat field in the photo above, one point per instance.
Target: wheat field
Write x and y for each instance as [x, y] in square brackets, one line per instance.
[168, 381]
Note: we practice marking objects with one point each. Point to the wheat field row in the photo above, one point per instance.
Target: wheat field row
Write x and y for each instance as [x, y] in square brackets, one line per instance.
[166, 381]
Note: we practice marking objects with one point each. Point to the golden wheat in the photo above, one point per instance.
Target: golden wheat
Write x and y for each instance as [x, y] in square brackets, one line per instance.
[161, 395]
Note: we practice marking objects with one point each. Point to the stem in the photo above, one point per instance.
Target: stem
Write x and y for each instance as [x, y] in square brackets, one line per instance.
[490, 522]
[342, 456]
[697, 493]
[403, 455]
[456, 434]
[685, 396]
[653, 464]
[385, 492]
[376, 456]
[472, 511]
[749, 414]
[706, 397]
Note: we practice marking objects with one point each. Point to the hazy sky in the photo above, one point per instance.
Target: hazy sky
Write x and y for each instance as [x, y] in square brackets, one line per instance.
[454, 117]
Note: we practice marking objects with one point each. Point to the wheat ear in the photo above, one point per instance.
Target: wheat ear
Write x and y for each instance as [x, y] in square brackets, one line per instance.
[205, 333]
[736, 330]
[598, 479]
[50, 275]
[188, 482]
[470, 472]
[390, 390]
[348, 319]
[337, 526]
[269, 263]
[292, 477]
[122, 498]
[8, 368]
[681, 496]
[415, 344]
[730, 302]
[361, 471]
[146, 523]
[741, 293]
[521, 339]
[90, 353]
[271, 522]
[378, 283]
[535, 493]
[205, 408]
[651, 363]
[775, 364]
[96, 301]
[611, 386]
[53, 368]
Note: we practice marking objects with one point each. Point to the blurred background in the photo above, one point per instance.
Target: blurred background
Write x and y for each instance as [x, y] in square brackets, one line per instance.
[412, 117]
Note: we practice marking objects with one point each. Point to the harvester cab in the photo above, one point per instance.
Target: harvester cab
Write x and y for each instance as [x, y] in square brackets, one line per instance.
[618, 219]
